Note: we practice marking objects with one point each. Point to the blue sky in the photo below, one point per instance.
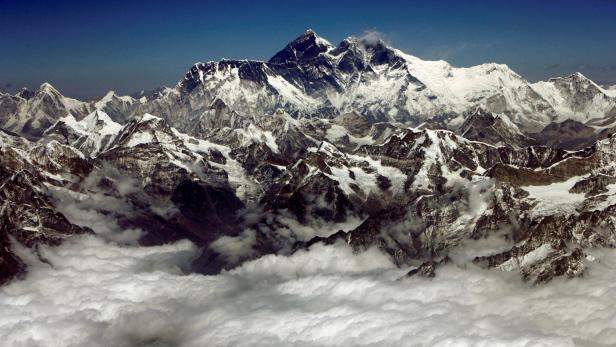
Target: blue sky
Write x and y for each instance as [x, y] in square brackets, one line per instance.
[86, 48]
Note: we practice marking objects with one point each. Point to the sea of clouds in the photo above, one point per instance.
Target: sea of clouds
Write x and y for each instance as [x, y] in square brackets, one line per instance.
[96, 292]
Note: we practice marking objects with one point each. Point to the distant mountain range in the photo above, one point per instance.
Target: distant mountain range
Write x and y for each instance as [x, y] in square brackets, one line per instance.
[312, 78]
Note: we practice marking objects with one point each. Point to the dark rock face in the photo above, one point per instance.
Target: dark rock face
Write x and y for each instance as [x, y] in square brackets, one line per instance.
[593, 185]
[570, 134]
[555, 263]
[28, 217]
[33, 219]
[309, 196]
[11, 266]
[301, 50]
[428, 269]
[483, 126]
[25, 94]
[206, 208]
[382, 231]
[56, 158]
[570, 265]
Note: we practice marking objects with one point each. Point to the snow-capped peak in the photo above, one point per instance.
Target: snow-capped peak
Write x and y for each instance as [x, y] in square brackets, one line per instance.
[367, 49]
[105, 99]
[321, 41]
[94, 124]
[101, 119]
[304, 48]
[113, 96]
[576, 97]
[110, 94]
[576, 77]
[310, 34]
[46, 87]
[91, 135]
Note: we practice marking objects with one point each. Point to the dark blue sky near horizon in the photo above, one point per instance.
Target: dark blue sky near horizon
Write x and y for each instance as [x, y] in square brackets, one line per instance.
[86, 48]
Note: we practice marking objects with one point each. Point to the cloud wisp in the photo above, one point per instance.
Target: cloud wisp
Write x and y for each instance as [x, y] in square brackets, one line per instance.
[373, 36]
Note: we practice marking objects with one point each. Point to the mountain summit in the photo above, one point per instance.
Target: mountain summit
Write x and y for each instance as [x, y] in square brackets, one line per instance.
[301, 50]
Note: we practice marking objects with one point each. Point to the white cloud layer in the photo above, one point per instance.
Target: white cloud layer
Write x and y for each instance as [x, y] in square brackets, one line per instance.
[97, 293]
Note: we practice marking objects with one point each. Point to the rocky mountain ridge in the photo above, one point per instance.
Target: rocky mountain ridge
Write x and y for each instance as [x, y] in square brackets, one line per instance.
[286, 184]
[312, 78]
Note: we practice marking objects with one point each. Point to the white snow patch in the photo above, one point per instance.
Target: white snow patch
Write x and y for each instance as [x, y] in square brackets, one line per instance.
[555, 198]
[255, 134]
[140, 138]
[528, 259]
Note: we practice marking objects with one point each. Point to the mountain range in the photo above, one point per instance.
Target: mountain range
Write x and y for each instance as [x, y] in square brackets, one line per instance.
[311, 78]
[357, 143]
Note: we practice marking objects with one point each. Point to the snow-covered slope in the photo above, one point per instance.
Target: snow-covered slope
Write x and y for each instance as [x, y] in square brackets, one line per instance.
[610, 90]
[91, 135]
